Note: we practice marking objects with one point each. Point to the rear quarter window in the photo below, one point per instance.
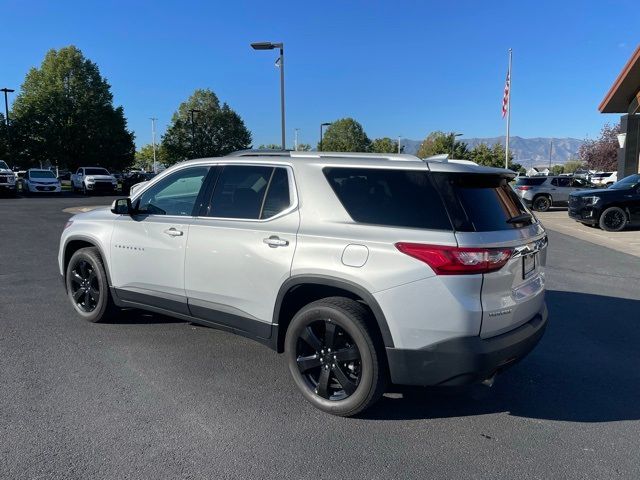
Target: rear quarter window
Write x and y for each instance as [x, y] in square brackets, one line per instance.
[480, 203]
[395, 198]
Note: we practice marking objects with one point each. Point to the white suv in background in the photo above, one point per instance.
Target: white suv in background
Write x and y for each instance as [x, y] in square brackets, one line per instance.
[361, 268]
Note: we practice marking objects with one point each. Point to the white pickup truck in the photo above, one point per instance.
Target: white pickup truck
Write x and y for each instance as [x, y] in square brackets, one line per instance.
[93, 179]
[7, 179]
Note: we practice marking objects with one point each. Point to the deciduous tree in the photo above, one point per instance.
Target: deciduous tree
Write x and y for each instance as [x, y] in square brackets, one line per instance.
[345, 135]
[64, 115]
[602, 153]
[438, 143]
[384, 145]
[202, 128]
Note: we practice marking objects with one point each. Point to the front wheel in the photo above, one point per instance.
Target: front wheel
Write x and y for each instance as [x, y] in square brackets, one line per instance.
[542, 203]
[88, 287]
[613, 219]
[336, 361]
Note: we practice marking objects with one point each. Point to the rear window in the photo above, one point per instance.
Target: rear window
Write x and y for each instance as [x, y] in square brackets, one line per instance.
[530, 180]
[480, 203]
[395, 198]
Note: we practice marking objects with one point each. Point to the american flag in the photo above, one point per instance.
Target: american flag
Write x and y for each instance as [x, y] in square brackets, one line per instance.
[505, 98]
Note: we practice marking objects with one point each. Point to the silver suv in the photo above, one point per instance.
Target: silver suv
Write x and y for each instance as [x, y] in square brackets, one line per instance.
[361, 268]
[542, 193]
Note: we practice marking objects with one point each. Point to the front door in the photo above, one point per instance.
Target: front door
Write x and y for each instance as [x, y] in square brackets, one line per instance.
[148, 248]
[240, 250]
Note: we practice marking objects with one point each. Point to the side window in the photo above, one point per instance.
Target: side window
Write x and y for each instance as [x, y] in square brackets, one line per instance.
[564, 182]
[240, 192]
[175, 194]
[278, 197]
[554, 182]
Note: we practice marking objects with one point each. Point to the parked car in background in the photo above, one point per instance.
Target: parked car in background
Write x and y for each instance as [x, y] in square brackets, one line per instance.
[611, 209]
[93, 179]
[542, 193]
[64, 175]
[7, 179]
[37, 180]
[361, 268]
[604, 179]
[134, 178]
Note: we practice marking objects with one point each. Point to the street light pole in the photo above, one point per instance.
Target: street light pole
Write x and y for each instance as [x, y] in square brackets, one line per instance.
[279, 63]
[295, 139]
[6, 117]
[153, 141]
[193, 131]
[326, 124]
[399, 140]
[453, 141]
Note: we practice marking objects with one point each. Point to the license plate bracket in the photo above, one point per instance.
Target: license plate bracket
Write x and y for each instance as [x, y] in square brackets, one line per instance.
[528, 265]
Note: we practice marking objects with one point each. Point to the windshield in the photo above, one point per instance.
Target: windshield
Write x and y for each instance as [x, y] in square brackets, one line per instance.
[628, 182]
[3, 165]
[41, 174]
[95, 171]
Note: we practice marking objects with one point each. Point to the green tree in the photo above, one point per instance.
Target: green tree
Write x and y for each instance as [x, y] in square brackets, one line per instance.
[4, 146]
[384, 145]
[572, 165]
[439, 142]
[216, 130]
[557, 170]
[270, 146]
[493, 156]
[64, 115]
[144, 157]
[304, 147]
[602, 153]
[345, 135]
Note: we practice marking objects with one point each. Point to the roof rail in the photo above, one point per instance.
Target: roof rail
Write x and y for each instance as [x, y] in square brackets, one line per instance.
[313, 154]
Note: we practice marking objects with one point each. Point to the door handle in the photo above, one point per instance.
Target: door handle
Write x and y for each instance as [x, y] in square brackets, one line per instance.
[174, 232]
[274, 241]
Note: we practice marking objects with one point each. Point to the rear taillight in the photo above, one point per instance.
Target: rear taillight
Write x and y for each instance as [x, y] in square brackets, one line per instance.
[523, 188]
[446, 260]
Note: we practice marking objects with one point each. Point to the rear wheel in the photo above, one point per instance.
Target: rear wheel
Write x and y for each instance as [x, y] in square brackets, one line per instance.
[335, 360]
[541, 203]
[88, 287]
[613, 219]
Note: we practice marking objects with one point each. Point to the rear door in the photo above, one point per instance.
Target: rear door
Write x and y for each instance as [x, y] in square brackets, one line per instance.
[481, 207]
[560, 190]
[241, 247]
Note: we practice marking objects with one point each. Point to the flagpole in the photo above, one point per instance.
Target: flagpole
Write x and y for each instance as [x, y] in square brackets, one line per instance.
[506, 157]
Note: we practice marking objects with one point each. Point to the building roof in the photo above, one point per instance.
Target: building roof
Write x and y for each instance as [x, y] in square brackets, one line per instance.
[625, 88]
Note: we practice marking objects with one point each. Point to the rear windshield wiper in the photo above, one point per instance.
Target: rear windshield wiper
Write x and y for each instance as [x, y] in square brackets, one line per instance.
[525, 217]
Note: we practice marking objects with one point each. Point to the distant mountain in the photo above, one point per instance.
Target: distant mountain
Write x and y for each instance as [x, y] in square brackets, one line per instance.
[526, 151]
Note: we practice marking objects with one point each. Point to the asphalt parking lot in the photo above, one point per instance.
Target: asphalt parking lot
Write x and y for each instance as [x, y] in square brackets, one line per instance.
[153, 397]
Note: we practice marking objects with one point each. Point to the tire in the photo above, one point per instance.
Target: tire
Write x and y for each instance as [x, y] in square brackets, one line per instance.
[613, 219]
[344, 388]
[86, 277]
[541, 203]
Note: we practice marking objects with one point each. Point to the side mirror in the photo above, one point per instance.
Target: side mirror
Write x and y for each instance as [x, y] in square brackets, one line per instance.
[122, 206]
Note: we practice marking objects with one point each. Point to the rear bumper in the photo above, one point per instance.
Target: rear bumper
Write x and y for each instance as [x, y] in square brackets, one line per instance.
[465, 360]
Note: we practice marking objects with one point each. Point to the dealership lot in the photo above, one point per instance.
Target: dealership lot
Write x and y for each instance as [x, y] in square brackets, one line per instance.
[152, 397]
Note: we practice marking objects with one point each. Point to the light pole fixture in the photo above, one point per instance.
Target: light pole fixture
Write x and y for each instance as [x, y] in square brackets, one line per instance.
[6, 117]
[326, 124]
[193, 131]
[279, 63]
[453, 141]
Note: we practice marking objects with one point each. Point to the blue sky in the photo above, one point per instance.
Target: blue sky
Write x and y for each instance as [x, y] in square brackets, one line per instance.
[400, 68]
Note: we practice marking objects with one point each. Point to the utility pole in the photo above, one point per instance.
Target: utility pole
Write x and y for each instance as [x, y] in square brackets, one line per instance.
[399, 147]
[153, 142]
[6, 117]
[295, 140]
[550, 152]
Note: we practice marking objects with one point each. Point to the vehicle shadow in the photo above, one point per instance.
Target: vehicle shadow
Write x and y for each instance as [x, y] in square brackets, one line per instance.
[132, 316]
[585, 369]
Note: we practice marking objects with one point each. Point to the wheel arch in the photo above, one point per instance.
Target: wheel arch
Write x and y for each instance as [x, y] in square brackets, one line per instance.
[300, 290]
[75, 243]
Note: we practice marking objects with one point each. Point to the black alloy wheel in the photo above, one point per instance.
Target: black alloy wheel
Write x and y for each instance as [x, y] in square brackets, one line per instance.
[336, 355]
[613, 219]
[88, 286]
[85, 289]
[329, 360]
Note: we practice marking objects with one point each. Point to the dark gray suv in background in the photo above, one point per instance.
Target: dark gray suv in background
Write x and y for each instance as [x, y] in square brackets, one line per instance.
[542, 193]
